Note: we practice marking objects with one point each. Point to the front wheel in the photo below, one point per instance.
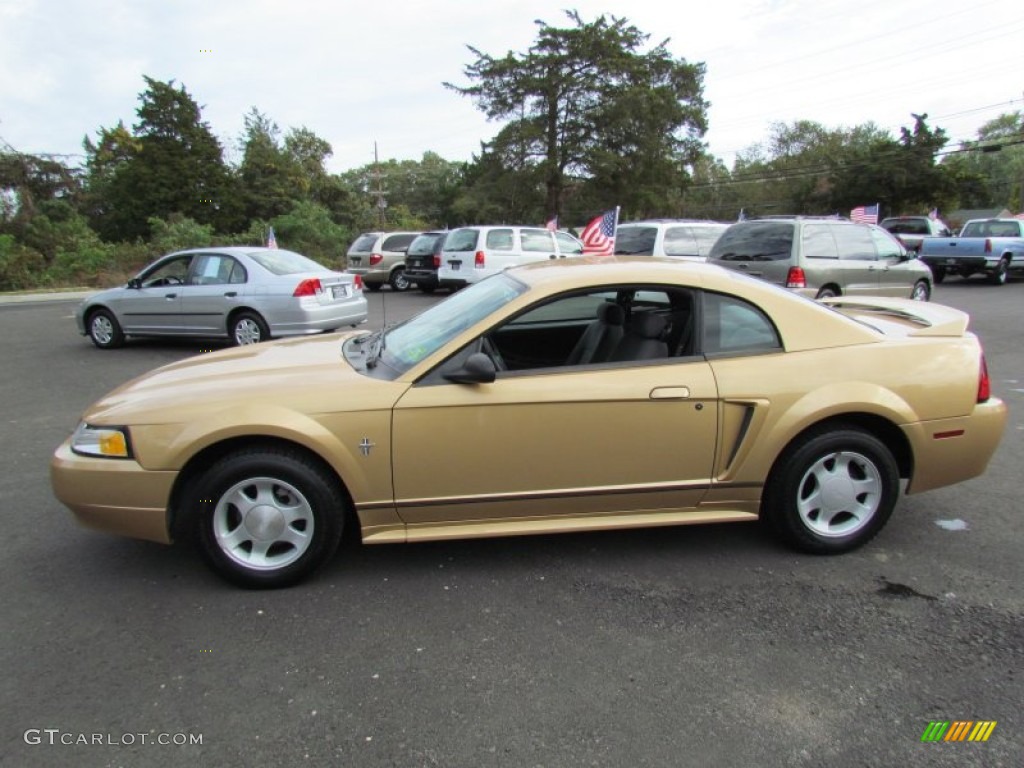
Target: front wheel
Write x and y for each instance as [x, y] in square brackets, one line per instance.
[267, 517]
[921, 291]
[104, 330]
[832, 492]
[1002, 271]
[248, 328]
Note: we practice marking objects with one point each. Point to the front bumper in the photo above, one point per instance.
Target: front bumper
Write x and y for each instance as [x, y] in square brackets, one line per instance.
[113, 495]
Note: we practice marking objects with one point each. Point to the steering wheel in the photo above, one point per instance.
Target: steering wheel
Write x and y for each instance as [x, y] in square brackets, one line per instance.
[488, 348]
[173, 280]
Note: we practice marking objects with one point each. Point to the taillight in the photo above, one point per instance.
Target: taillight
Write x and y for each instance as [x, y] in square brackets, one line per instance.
[796, 278]
[988, 245]
[984, 383]
[308, 287]
[478, 261]
[376, 258]
[437, 262]
[357, 283]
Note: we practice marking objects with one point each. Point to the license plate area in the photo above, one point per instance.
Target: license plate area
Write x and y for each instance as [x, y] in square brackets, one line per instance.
[455, 265]
[339, 291]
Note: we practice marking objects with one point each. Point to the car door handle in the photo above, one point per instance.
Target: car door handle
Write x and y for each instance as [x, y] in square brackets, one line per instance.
[670, 393]
[231, 294]
[170, 295]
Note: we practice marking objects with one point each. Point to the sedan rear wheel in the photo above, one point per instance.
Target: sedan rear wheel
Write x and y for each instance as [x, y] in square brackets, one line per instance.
[248, 328]
[832, 492]
[104, 330]
[267, 517]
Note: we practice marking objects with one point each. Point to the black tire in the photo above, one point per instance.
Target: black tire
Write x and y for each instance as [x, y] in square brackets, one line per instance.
[938, 274]
[921, 291]
[372, 287]
[247, 328]
[827, 292]
[863, 485]
[398, 282]
[242, 504]
[999, 275]
[104, 330]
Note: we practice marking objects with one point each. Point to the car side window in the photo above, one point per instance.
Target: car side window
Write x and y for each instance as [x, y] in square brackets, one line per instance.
[499, 240]
[888, 246]
[855, 243]
[818, 243]
[537, 240]
[216, 269]
[679, 241]
[169, 272]
[733, 326]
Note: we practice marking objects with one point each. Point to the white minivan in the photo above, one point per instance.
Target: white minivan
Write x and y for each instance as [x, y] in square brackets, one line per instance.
[472, 253]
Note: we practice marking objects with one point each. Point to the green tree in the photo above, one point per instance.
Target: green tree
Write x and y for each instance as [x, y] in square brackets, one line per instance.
[587, 104]
[271, 180]
[177, 167]
[989, 172]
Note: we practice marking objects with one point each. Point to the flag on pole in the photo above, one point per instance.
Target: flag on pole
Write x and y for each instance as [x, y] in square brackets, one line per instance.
[599, 235]
[867, 214]
[742, 216]
[552, 225]
[271, 240]
[934, 215]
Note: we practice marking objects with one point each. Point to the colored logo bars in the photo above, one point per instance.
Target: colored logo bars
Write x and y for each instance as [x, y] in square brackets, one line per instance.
[958, 730]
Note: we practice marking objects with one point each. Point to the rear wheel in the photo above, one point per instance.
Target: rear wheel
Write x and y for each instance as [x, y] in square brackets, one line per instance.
[999, 275]
[104, 330]
[267, 517]
[248, 328]
[921, 291]
[398, 281]
[827, 292]
[832, 492]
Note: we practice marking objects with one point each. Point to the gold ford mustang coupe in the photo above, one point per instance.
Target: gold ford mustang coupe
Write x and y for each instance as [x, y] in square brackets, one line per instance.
[566, 396]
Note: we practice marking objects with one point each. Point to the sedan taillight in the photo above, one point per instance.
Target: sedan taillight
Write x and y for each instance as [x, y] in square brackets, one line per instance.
[796, 278]
[984, 383]
[357, 283]
[308, 287]
[478, 260]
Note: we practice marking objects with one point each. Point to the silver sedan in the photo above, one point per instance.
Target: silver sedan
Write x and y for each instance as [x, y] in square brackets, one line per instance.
[246, 294]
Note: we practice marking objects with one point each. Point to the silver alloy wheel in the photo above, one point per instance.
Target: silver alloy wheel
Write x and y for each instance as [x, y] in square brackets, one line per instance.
[101, 329]
[920, 292]
[839, 494]
[399, 281]
[263, 523]
[248, 331]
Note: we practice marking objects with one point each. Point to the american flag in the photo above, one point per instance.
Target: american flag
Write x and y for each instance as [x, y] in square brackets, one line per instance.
[271, 240]
[599, 235]
[867, 214]
[552, 225]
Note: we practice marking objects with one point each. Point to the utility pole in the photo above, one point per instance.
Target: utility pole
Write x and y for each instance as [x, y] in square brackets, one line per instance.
[382, 203]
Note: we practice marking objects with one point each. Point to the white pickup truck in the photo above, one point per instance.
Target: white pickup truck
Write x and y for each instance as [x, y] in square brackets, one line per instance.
[991, 246]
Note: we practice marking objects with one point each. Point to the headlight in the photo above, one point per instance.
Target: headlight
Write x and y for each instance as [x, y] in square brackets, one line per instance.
[109, 442]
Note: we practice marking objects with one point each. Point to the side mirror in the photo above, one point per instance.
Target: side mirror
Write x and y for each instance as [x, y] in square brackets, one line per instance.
[135, 283]
[478, 369]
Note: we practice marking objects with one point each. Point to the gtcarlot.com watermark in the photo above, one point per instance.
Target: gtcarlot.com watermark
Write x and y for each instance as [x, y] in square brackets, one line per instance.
[55, 737]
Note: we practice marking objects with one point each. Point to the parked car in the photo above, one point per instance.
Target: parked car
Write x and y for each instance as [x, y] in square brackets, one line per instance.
[422, 260]
[555, 397]
[379, 259]
[993, 247]
[472, 253]
[911, 230]
[822, 257]
[681, 238]
[244, 294]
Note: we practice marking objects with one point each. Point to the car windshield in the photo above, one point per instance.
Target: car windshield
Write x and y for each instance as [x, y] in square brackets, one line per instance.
[407, 344]
[280, 262]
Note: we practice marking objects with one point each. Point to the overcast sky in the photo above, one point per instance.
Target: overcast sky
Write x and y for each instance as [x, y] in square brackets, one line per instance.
[363, 72]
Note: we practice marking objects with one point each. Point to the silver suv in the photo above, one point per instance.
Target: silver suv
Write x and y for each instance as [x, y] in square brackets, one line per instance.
[680, 238]
[379, 258]
[820, 257]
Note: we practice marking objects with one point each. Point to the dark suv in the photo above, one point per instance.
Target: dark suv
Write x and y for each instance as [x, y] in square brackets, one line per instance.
[422, 260]
[821, 257]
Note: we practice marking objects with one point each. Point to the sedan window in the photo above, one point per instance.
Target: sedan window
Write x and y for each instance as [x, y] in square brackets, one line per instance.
[280, 262]
[734, 326]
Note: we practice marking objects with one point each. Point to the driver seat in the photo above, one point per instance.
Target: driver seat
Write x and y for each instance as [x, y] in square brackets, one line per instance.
[601, 337]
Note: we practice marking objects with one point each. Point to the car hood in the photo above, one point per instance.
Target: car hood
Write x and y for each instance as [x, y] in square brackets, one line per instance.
[307, 375]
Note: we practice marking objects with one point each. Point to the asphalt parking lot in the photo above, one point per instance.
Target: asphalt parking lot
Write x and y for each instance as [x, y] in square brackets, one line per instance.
[702, 646]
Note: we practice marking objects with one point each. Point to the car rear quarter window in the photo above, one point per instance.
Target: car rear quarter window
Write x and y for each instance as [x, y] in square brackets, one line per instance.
[537, 240]
[755, 241]
[855, 243]
[817, 242]
[500, 240]
[734, 326]
[397, 242]
[365, 243]
[635, 241]
[280, 262]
